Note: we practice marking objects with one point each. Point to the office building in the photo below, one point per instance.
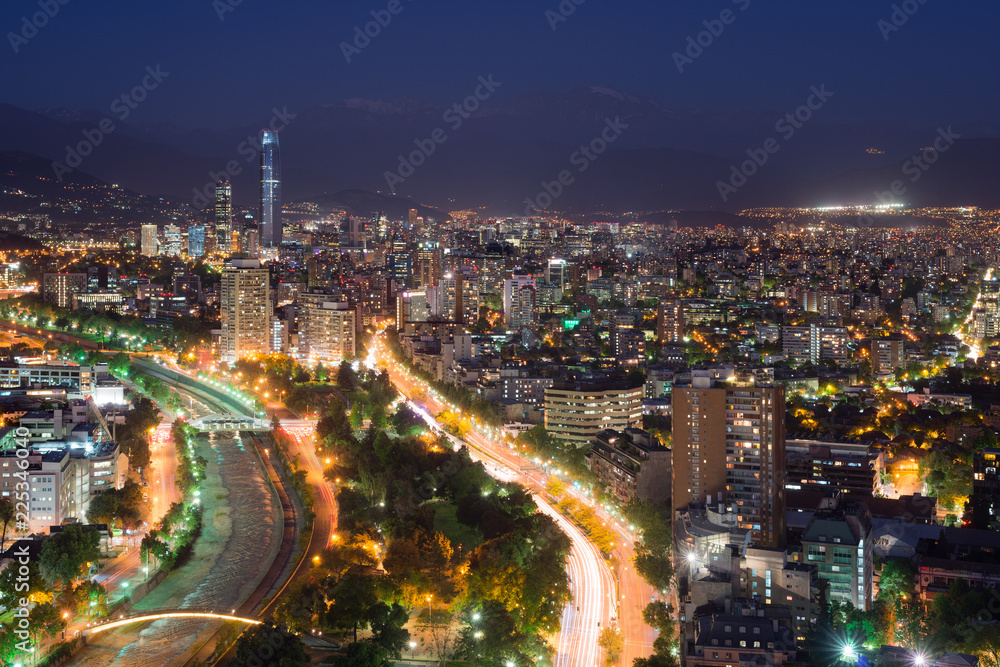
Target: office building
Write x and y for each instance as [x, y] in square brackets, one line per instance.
[745, 428]
[246, 310]
[556, 274]
[577, 410]
[399, 267]
[853, 468]
[149, 243]
[60, 288]
[224, 215]
[196, 240]
[101, 302]
[269, 213]
[59, 374]
[171, 241]
[428, 264]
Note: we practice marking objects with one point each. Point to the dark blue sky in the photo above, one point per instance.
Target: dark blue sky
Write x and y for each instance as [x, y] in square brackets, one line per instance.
[940, 67]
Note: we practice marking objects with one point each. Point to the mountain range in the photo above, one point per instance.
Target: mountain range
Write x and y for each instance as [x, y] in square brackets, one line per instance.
[498, 159]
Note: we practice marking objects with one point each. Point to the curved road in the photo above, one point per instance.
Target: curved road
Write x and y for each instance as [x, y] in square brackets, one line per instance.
[592, 582]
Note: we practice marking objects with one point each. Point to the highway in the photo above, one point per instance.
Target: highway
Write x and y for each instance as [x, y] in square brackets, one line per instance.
[597, 594]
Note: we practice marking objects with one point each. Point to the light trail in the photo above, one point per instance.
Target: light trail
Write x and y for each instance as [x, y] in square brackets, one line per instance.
[591, 581]
[177, 614]
[975, 351]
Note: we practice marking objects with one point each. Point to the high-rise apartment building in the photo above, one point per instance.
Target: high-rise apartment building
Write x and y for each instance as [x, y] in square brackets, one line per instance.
[670, 321]
[745, 428]
[428, 264]
[224, 215]
[246, 310]
[815, 343]
[328, 331]
[887, 354]
[269, 218]
[149, 243]
[519, 303]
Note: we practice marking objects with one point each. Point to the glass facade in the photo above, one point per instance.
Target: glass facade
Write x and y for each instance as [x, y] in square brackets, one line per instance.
[269, 218]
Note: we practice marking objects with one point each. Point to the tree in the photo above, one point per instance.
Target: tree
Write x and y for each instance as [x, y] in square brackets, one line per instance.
[364, 654]
[7, 515]
[66, 555]
[352, 598]
[612, 641]
[12, 585]
[347, 380]
[45, 619]
[387, 627]
[268, 645]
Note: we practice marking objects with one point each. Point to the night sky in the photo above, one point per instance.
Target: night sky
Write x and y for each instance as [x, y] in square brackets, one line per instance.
[938, 67]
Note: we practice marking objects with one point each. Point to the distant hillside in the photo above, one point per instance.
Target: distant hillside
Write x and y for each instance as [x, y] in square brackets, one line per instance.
[9, 242]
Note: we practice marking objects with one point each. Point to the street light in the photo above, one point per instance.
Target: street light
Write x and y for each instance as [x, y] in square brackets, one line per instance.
[413, 645]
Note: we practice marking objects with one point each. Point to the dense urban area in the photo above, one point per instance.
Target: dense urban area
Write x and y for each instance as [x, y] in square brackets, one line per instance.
[300, 433]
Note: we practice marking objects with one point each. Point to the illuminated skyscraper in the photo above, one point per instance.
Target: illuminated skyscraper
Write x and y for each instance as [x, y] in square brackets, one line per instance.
[224, 215]
[150, 243]
[269, 218]
[196, 240]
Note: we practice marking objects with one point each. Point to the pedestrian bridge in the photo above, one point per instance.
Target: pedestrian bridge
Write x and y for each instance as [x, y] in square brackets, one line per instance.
[110, 624]
[230, 422]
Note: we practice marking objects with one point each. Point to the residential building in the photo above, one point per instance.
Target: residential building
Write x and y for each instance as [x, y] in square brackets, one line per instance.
[815, 344]
[519, 305]
[856, 468]
[838, 541]
[985, 499]
[327, 333]
[245, 309]
[631, 464]
[745, 428]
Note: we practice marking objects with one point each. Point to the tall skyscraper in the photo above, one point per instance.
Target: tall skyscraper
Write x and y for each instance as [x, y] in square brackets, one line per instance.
[245, 309]
[555, 274]
[744, 427]
[196, 240]
[269, 218]
[171, 241]
[150, 245]
[428, 264]
[224, 215]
